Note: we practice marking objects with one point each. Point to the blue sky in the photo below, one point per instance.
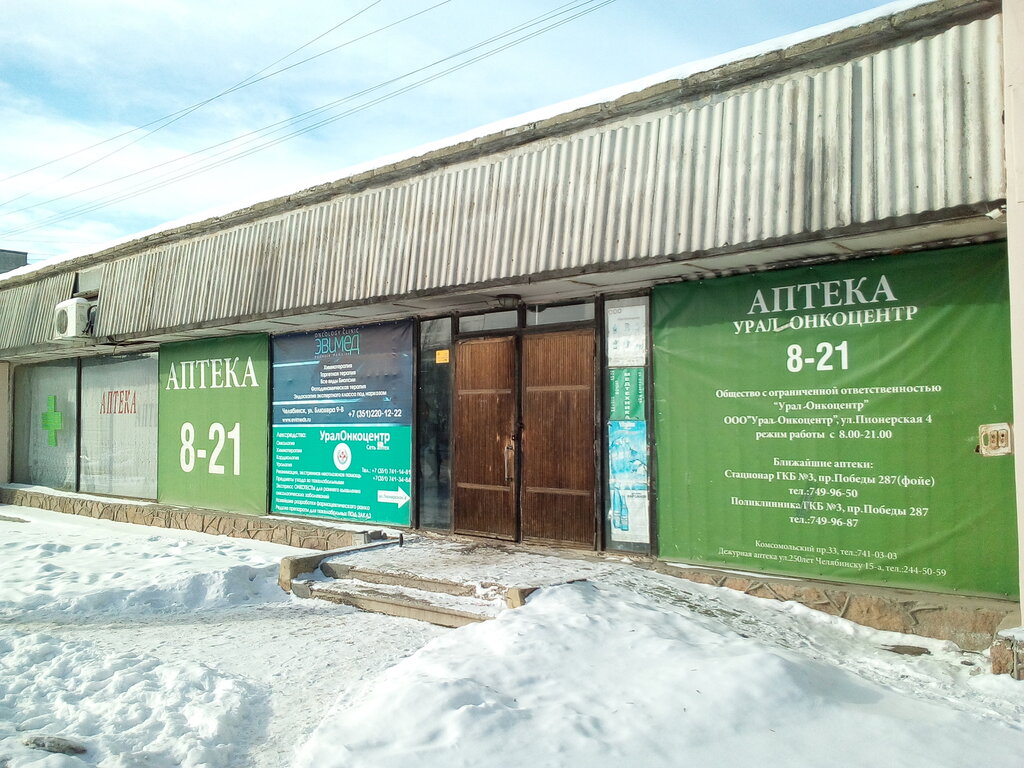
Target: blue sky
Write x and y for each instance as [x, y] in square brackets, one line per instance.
[75, 73]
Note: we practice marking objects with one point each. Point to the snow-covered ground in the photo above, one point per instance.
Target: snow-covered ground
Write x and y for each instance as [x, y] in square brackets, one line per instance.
[152, 647]
[169, 648]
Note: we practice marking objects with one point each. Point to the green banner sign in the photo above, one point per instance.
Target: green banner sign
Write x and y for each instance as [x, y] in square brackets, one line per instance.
[342, 423]
[626, 394]
[213, 424]
[352, 472]
[825, 421]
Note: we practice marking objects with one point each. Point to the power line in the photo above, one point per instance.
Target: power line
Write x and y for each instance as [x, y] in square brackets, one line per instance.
[253, 136]
[276, 127]
[48, 240]
[184, 112]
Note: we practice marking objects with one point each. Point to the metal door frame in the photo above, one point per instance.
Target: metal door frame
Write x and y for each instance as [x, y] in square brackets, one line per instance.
[518, 332]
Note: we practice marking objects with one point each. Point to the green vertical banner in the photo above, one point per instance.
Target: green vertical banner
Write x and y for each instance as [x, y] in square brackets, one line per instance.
[832, 422]
[627, 397]
[213, 431]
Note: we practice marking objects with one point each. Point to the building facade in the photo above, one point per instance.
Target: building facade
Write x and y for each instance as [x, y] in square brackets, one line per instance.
[760, 318]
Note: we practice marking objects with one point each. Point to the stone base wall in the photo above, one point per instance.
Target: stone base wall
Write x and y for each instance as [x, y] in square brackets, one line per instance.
[970, 622]
[1008, 656]
[294, 533]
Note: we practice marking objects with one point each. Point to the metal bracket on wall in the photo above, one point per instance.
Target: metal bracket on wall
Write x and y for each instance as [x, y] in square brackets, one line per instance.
[995, 439]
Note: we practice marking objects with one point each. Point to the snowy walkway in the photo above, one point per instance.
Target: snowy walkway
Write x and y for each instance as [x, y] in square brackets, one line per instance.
[167, 648]
[153, 647]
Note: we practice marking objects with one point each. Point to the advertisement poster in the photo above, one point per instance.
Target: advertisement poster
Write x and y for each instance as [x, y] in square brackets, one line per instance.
[627, 524]
[119, 425]
[213, 424]
[627, 481]
[626, 394]
[824, 421]
[342, 423]
[627, 336]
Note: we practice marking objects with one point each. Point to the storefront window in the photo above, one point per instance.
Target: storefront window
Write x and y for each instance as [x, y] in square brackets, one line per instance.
[46, 424]
[490, 321]
[562, 313]
[434, 424]
[119, 426]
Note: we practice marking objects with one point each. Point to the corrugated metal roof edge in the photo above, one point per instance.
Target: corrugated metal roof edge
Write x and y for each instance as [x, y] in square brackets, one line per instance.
[877, 34]
[224, 325]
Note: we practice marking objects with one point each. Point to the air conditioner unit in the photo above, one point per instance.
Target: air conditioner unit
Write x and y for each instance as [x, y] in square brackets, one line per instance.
[72, 319]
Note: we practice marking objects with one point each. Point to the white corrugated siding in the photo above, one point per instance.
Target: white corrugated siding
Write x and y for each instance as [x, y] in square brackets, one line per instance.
[908, 130]
[26, 311]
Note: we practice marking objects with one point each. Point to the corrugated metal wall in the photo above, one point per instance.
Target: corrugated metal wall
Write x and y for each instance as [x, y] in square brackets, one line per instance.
[911, 129]
[26, 311]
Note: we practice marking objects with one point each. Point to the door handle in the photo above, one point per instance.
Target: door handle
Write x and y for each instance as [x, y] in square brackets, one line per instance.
[510, 458]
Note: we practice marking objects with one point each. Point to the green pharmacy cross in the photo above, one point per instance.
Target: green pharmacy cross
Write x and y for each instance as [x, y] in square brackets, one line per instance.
[53, 420]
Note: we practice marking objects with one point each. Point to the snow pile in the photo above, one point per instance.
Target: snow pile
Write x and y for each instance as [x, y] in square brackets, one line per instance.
[90, 572]
[599, 676]
[125, 709]
[156, 647]
[164, 648]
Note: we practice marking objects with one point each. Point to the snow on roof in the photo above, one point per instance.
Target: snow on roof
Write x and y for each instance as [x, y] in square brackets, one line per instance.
[604, 95]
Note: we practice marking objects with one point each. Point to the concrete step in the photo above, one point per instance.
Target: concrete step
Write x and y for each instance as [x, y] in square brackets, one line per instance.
[337, 569]
[294, 565]
[435, 607]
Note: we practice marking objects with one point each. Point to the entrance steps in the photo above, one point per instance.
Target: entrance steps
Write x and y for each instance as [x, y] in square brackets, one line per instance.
[437, 601]
[443, 609]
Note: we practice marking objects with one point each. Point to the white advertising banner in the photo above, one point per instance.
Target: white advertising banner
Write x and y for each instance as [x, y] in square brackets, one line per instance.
[45, 416]
[626, 331]
[119, 426]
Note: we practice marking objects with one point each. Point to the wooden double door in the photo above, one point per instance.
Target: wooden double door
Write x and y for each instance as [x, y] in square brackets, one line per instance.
[525, 438]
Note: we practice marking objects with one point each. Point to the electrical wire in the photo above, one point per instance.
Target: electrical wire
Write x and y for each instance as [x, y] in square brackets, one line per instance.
[587, 6]
[174, 117]
[253, 136]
